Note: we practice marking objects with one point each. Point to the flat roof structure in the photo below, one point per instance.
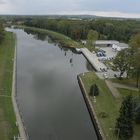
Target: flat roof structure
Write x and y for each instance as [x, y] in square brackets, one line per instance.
[106, 42]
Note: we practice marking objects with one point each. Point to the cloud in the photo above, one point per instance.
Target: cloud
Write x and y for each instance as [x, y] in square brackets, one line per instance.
[2, 2]
[113, 8]
[103, 13]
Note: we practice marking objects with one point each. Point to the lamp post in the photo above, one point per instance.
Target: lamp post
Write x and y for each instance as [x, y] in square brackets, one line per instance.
[118, 130]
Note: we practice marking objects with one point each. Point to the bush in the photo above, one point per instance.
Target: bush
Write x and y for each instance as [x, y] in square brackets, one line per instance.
[137, 114]
[94, 90]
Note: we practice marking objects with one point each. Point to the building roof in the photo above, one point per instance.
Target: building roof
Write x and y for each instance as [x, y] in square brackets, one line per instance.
[123, 45]
[105, 42]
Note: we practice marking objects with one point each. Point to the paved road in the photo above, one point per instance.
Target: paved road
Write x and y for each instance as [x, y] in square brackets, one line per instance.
[117, 85]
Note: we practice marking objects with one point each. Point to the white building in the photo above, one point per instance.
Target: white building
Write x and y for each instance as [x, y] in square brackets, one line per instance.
[116, 45]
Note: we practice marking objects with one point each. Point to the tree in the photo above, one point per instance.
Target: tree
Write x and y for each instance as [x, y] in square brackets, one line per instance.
[92, 37]
[94, 90]
[121, 61]
[135, 64]
[137, 114]
[134, 42]
[1, 32]
[125, 121]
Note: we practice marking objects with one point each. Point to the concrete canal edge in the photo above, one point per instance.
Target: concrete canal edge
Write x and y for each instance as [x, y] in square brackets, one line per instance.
[91, 110]
[23, 134]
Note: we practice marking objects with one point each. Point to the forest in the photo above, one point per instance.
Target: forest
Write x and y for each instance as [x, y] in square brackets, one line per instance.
[1, 32]
[107, 29]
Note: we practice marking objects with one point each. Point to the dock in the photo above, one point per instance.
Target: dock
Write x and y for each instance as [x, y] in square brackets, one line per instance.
[93, 60]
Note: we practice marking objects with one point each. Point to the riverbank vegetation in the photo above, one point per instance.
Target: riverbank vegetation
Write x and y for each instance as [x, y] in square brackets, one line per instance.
[56, 37]
[127, 60]
[107, 107]
[120, 30]
[8, 128]
[2, 34]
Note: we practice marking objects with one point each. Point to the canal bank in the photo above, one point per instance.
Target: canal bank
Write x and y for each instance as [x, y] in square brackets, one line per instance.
[8, 128]
[59, 38]
[58, 108]
[91, 110]
[19, 123]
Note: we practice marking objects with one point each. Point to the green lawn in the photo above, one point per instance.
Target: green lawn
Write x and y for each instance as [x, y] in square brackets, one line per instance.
[105, 103]
[126, 81]
[7, 117]
[126, 92]
[67, 41]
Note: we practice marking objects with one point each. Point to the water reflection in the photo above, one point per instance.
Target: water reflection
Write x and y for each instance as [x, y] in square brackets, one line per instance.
[49, 96]
[43, 36]
[37, 35]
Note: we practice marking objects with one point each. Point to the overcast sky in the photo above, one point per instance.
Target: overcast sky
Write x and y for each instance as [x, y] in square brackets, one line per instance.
[113, 8]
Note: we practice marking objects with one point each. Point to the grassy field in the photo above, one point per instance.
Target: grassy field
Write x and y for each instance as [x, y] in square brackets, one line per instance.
[126, 81]
[65, 40]
[106, 107]
[104, 103]
[7, 117]
[126, 92]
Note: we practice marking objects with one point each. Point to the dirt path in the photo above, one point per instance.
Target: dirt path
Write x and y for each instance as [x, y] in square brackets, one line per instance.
[21, 127]
[113, 89]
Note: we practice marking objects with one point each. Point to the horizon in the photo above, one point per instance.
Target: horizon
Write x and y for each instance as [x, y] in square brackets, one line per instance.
[98, 16]
[103, 8]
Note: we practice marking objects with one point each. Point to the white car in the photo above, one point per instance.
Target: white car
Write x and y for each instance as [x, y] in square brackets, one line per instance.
[105, 75]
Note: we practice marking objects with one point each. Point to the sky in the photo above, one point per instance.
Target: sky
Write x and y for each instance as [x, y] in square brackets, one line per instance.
[107, 8]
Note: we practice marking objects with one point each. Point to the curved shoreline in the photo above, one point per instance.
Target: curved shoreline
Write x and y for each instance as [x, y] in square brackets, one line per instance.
[62, 39]
[92, 113]
[21, 128]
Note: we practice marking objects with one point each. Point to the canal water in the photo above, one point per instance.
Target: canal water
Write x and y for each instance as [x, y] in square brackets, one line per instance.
[49, 97]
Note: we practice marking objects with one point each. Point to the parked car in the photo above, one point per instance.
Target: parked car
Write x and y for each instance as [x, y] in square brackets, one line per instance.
[105, 75]
[102, 51]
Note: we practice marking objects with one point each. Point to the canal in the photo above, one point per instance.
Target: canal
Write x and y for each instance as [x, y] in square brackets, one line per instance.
[49, 97]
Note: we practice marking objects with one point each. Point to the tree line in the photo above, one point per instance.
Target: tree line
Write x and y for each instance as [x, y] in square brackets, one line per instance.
[79, 29]
[128, 60]
[1, 32]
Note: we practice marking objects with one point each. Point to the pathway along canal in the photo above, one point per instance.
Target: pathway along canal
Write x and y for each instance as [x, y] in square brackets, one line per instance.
[48, 93]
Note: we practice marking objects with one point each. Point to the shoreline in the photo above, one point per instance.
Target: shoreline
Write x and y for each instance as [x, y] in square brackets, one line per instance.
[94, 119]
[19, 122]
[63, 40]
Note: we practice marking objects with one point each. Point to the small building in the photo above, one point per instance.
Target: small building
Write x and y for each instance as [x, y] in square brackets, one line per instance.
[115, 45]
[105, 43]
[120, 46]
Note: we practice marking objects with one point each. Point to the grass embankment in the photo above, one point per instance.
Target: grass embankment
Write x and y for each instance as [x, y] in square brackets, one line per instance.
[8, 127]
[126, 92]
[126, 81]
[106, 106]
[65, 41]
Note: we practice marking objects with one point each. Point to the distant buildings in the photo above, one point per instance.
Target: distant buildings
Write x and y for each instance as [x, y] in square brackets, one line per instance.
[116, 45]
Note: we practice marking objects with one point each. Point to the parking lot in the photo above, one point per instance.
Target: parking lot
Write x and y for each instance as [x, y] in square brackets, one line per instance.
[110, 53]
[103, 71]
